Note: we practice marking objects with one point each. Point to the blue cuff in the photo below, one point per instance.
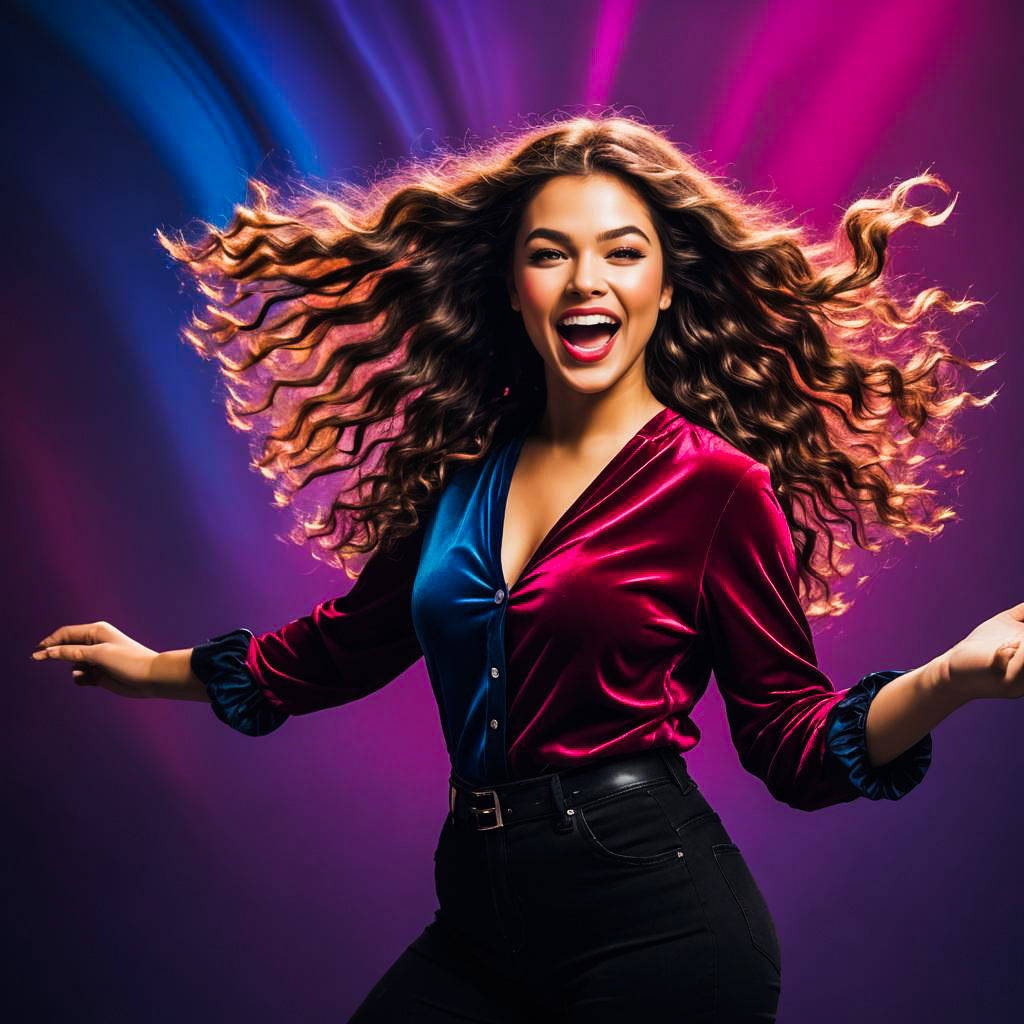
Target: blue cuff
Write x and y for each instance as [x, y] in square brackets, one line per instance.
[845, 738]
[234, 695]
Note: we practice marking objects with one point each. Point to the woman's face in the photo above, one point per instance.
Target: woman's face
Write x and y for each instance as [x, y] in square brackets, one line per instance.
[588, 243]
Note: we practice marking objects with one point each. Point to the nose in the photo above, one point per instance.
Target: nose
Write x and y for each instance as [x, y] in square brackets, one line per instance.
[584, 278]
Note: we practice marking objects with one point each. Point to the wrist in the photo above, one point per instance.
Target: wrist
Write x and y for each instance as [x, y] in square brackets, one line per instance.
[171, 677]
[940, 682]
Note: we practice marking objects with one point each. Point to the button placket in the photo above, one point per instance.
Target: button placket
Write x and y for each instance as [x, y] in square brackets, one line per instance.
[494, 740]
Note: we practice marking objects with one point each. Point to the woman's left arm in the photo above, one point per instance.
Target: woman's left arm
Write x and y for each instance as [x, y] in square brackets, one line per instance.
[988, 662]
[811, 744]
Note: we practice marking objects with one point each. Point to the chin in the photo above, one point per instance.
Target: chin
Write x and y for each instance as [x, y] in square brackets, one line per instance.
[588, 382]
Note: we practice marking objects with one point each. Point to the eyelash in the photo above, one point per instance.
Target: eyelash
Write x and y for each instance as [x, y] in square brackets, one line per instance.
[535, 256]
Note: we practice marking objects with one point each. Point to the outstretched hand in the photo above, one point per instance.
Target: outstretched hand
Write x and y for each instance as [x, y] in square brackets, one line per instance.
[989, 661]
[101, 655]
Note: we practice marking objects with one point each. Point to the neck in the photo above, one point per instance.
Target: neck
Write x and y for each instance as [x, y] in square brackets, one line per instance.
[571, 418]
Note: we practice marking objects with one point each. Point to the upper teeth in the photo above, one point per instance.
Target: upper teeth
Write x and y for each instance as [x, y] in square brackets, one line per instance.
[586, 320]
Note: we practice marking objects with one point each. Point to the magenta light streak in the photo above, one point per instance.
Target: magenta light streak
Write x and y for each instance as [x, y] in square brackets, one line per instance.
[852, 92]
[613, 27]
[778, 36]
[865, 90]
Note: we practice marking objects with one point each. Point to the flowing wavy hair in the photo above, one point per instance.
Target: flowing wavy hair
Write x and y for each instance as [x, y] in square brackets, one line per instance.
[382, 311]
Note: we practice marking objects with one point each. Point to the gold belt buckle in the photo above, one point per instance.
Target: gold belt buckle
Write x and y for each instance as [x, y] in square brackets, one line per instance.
[495, 810]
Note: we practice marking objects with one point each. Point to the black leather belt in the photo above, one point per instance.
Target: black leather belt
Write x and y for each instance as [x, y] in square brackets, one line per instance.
[543, 796]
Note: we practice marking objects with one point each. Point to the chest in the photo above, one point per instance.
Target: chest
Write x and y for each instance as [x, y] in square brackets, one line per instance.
[544, 485]
[567, 560]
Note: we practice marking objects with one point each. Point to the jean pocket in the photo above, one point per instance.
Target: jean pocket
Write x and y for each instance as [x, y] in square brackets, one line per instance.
[751, 901]
[629, 828]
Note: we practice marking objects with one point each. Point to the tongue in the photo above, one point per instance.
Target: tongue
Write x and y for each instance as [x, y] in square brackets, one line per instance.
[589, 335]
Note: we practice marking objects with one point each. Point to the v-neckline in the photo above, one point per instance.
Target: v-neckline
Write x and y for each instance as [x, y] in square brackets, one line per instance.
[509, 469]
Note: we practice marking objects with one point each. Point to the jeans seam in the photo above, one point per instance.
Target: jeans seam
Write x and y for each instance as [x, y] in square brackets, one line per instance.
[696, 820]
[732, 848]
[714, 942]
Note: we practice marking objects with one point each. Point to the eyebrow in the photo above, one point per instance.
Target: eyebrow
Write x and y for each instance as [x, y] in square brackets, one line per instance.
[604, 236]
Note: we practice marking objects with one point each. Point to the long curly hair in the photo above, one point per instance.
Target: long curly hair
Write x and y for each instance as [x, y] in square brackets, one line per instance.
[391, 321]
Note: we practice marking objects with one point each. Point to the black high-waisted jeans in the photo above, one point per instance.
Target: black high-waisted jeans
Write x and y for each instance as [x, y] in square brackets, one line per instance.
[609, 893]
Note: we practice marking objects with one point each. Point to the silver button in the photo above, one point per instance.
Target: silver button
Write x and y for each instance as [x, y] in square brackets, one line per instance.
[494, 672]
[494, 723]
[499, 596]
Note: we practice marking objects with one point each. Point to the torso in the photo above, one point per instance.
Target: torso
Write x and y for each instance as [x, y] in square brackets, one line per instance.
[544, 484]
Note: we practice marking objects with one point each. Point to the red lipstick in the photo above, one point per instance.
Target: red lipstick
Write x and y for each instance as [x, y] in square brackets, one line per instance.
[589, 354]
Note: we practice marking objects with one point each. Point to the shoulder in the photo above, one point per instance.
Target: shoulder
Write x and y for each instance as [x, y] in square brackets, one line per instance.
[714, 465]
[727, 494]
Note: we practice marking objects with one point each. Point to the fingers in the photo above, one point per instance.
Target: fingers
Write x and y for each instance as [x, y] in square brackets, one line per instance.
[83, 645]
[67, 652]
[86, 633]
[86, 672]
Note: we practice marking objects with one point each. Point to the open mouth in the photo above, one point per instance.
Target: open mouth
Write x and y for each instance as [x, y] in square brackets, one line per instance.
[588, 335]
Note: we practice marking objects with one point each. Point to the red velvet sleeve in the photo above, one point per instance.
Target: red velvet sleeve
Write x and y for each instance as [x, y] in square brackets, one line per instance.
[348, 646]
[777, 699]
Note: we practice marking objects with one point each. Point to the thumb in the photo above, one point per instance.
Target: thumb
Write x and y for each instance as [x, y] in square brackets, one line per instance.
[87, 675]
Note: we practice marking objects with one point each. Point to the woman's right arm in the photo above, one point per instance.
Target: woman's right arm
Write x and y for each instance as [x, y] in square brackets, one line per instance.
[346, 648]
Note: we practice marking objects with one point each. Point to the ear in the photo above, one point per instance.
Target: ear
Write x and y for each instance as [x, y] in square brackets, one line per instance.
[513, 295]
[666, 296]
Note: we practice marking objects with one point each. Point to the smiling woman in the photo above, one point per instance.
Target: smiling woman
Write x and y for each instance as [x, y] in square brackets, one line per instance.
[624, 406]
[457, 267]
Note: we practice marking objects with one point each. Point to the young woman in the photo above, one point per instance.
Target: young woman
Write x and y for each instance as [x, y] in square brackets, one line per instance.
[602, 412]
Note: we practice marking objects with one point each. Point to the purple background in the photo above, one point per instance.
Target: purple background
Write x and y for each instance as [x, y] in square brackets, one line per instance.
[161, 866]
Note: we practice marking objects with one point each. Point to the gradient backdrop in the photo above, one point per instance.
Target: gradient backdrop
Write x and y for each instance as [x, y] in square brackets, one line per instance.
[160, 867]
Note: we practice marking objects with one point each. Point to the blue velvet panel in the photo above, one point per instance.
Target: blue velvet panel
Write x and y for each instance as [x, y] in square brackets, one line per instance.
[846, 740]
[236, 699]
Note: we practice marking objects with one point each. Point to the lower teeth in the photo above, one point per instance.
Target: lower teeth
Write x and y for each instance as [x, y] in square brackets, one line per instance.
[594, 346]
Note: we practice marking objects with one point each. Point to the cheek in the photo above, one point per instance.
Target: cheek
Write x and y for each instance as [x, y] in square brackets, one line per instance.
[536, 294]
[645, 289]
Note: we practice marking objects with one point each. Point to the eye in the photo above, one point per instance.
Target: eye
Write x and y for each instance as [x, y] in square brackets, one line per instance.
[625, 252]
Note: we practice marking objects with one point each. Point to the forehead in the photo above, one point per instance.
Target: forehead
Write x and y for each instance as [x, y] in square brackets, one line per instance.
[584, 205]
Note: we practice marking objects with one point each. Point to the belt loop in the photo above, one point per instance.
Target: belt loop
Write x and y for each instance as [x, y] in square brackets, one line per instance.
[678, 770]
[564, 822]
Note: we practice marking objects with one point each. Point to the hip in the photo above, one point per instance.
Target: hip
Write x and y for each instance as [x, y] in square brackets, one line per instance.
[558, 872]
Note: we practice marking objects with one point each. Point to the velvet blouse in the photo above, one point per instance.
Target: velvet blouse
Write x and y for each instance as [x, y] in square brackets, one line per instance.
[674, 563]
